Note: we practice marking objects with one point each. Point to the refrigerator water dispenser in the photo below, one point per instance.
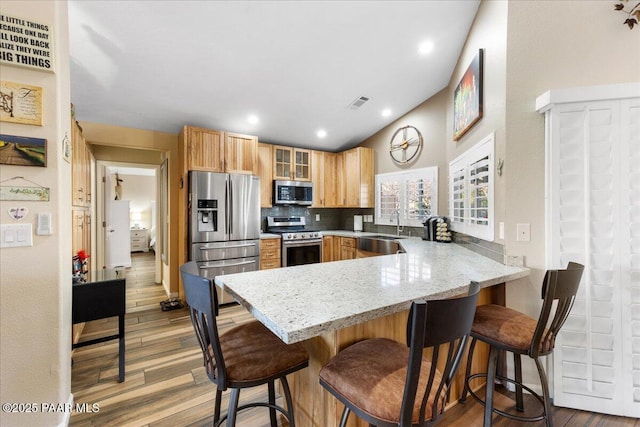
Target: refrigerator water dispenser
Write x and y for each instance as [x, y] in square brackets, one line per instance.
[207, 215]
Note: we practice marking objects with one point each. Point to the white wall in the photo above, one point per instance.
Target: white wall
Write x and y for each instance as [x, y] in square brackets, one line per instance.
[35, 291]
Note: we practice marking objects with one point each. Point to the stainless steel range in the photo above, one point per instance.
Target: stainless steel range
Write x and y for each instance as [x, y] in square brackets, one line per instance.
[299, 245]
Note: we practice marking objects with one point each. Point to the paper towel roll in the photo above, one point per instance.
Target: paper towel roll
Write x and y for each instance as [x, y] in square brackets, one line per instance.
[357, 223]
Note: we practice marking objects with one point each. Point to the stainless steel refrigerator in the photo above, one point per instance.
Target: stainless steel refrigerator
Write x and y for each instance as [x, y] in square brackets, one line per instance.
[224, 224]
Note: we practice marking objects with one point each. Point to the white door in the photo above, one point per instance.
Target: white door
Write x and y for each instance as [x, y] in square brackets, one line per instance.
[118, 236]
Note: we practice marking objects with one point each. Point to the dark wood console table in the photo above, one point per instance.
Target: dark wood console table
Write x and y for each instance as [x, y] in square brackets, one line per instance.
[101, 295]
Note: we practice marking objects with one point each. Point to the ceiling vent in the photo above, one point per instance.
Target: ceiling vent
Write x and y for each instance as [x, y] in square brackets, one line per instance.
[358, 102]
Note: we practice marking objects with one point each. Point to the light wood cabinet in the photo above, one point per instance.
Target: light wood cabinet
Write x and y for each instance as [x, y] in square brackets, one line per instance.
[327, 249]
[203, 149]
[265, 171]
[216, 151]
[81, 159]
[347, 248]
[359, 179]
[337, 248]
[81, 233]
[317, 177]
[270, 254]
[334, 194]
[241, 153]
[292, 164]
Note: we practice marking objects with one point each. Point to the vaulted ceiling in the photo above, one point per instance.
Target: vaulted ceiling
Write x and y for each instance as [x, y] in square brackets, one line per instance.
[281, 70]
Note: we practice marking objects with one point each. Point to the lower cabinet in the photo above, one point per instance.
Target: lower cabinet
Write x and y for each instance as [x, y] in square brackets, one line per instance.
[337, 248]
[269, 253]
[347, 248]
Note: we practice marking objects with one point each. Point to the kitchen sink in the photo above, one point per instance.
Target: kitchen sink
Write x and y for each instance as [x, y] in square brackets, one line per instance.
[381, 245]
[385, 237]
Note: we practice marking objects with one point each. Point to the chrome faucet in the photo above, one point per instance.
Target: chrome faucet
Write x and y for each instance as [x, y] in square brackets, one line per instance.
[396, 212]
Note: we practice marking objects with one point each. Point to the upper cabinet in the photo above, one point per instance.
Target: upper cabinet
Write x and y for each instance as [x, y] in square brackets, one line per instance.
[241, 153]
[359, 179]
[291, 163]
[265, 171]
[217, 151]
[334, 185]
[81, 159]
[317, 177]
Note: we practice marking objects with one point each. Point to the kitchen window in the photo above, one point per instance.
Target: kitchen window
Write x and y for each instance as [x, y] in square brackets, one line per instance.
[471, 191]
[413, 195]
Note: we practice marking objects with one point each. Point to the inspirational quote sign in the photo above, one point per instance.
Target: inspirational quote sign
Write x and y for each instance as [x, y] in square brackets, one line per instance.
[25, 43]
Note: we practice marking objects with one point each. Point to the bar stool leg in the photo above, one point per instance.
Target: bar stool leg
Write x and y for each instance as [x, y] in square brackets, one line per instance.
[545, 392]
[465, 389]
[216, 414]
[345, 415]
[288, 400]
[517, 364]
[491, 379]
[272, 401]
[233, 407]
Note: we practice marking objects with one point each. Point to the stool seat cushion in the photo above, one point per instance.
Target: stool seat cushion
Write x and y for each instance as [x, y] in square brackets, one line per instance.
[253, 353]
[371, 374]
[506, 328]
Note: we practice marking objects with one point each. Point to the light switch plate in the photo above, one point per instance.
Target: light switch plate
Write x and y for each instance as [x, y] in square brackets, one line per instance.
[15, 235]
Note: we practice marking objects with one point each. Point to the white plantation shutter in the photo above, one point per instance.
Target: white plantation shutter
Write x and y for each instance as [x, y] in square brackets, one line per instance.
[471, 190]
[593, 214]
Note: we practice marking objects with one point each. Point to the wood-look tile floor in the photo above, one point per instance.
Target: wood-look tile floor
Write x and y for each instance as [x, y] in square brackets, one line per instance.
[166, 384]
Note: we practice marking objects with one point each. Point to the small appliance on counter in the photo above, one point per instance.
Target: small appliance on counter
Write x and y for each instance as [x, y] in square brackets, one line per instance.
[436, 228]
[357, 223]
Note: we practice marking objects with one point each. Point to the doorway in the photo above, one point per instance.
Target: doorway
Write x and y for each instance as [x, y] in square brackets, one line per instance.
[136, 186]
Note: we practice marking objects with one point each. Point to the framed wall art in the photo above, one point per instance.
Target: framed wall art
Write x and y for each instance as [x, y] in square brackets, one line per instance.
[467, 98]
[23, 151]
[21, 103]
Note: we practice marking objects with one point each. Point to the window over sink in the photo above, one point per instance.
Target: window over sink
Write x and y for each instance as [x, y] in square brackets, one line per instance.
[412, 195]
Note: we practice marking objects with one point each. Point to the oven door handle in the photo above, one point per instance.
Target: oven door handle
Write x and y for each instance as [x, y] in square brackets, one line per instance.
[301, 242]
[206, 266]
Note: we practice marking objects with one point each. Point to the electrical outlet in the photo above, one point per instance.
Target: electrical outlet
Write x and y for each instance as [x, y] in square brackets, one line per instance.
[317, 217]
[501, 230]
[523, 232]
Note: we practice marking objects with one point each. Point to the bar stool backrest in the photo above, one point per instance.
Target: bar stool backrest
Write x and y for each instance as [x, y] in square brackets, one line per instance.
[202, 299]
[559, 286]
[434, 324]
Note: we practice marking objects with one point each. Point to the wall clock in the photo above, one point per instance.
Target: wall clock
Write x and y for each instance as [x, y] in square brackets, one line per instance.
[405, 144]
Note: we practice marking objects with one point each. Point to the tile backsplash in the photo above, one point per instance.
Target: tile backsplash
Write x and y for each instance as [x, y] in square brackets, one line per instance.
[342, 219]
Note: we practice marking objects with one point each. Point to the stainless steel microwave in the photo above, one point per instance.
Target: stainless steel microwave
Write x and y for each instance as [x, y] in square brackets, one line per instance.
[292, 193]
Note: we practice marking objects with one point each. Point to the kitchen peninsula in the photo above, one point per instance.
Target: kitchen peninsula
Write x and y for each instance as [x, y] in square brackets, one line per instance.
[332, 305]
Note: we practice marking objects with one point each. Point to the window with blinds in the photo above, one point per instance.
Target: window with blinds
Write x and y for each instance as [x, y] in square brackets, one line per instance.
[413, 195]
[471, 191]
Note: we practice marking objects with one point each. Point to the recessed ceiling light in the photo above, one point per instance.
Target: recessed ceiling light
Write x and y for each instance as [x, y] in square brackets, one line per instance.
[321, 133]
[253, 119]
[425, 47]
[386, 112]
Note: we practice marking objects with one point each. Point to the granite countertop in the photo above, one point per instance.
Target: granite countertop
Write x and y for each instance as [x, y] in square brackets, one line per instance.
[270, 236]
[297, 303]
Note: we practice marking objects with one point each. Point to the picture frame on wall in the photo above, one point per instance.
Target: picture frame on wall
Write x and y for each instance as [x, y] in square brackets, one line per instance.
[23, 151]
[468, 98]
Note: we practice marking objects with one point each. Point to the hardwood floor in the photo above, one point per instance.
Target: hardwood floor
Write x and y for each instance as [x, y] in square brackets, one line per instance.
[166, 384]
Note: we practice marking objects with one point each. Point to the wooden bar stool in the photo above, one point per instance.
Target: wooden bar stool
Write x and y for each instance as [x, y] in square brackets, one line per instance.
[506, 329]
[387, 384]
[245, 356]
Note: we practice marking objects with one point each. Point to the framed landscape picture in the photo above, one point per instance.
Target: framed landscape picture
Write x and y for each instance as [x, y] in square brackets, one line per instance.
[23, 151]
[467, 98]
